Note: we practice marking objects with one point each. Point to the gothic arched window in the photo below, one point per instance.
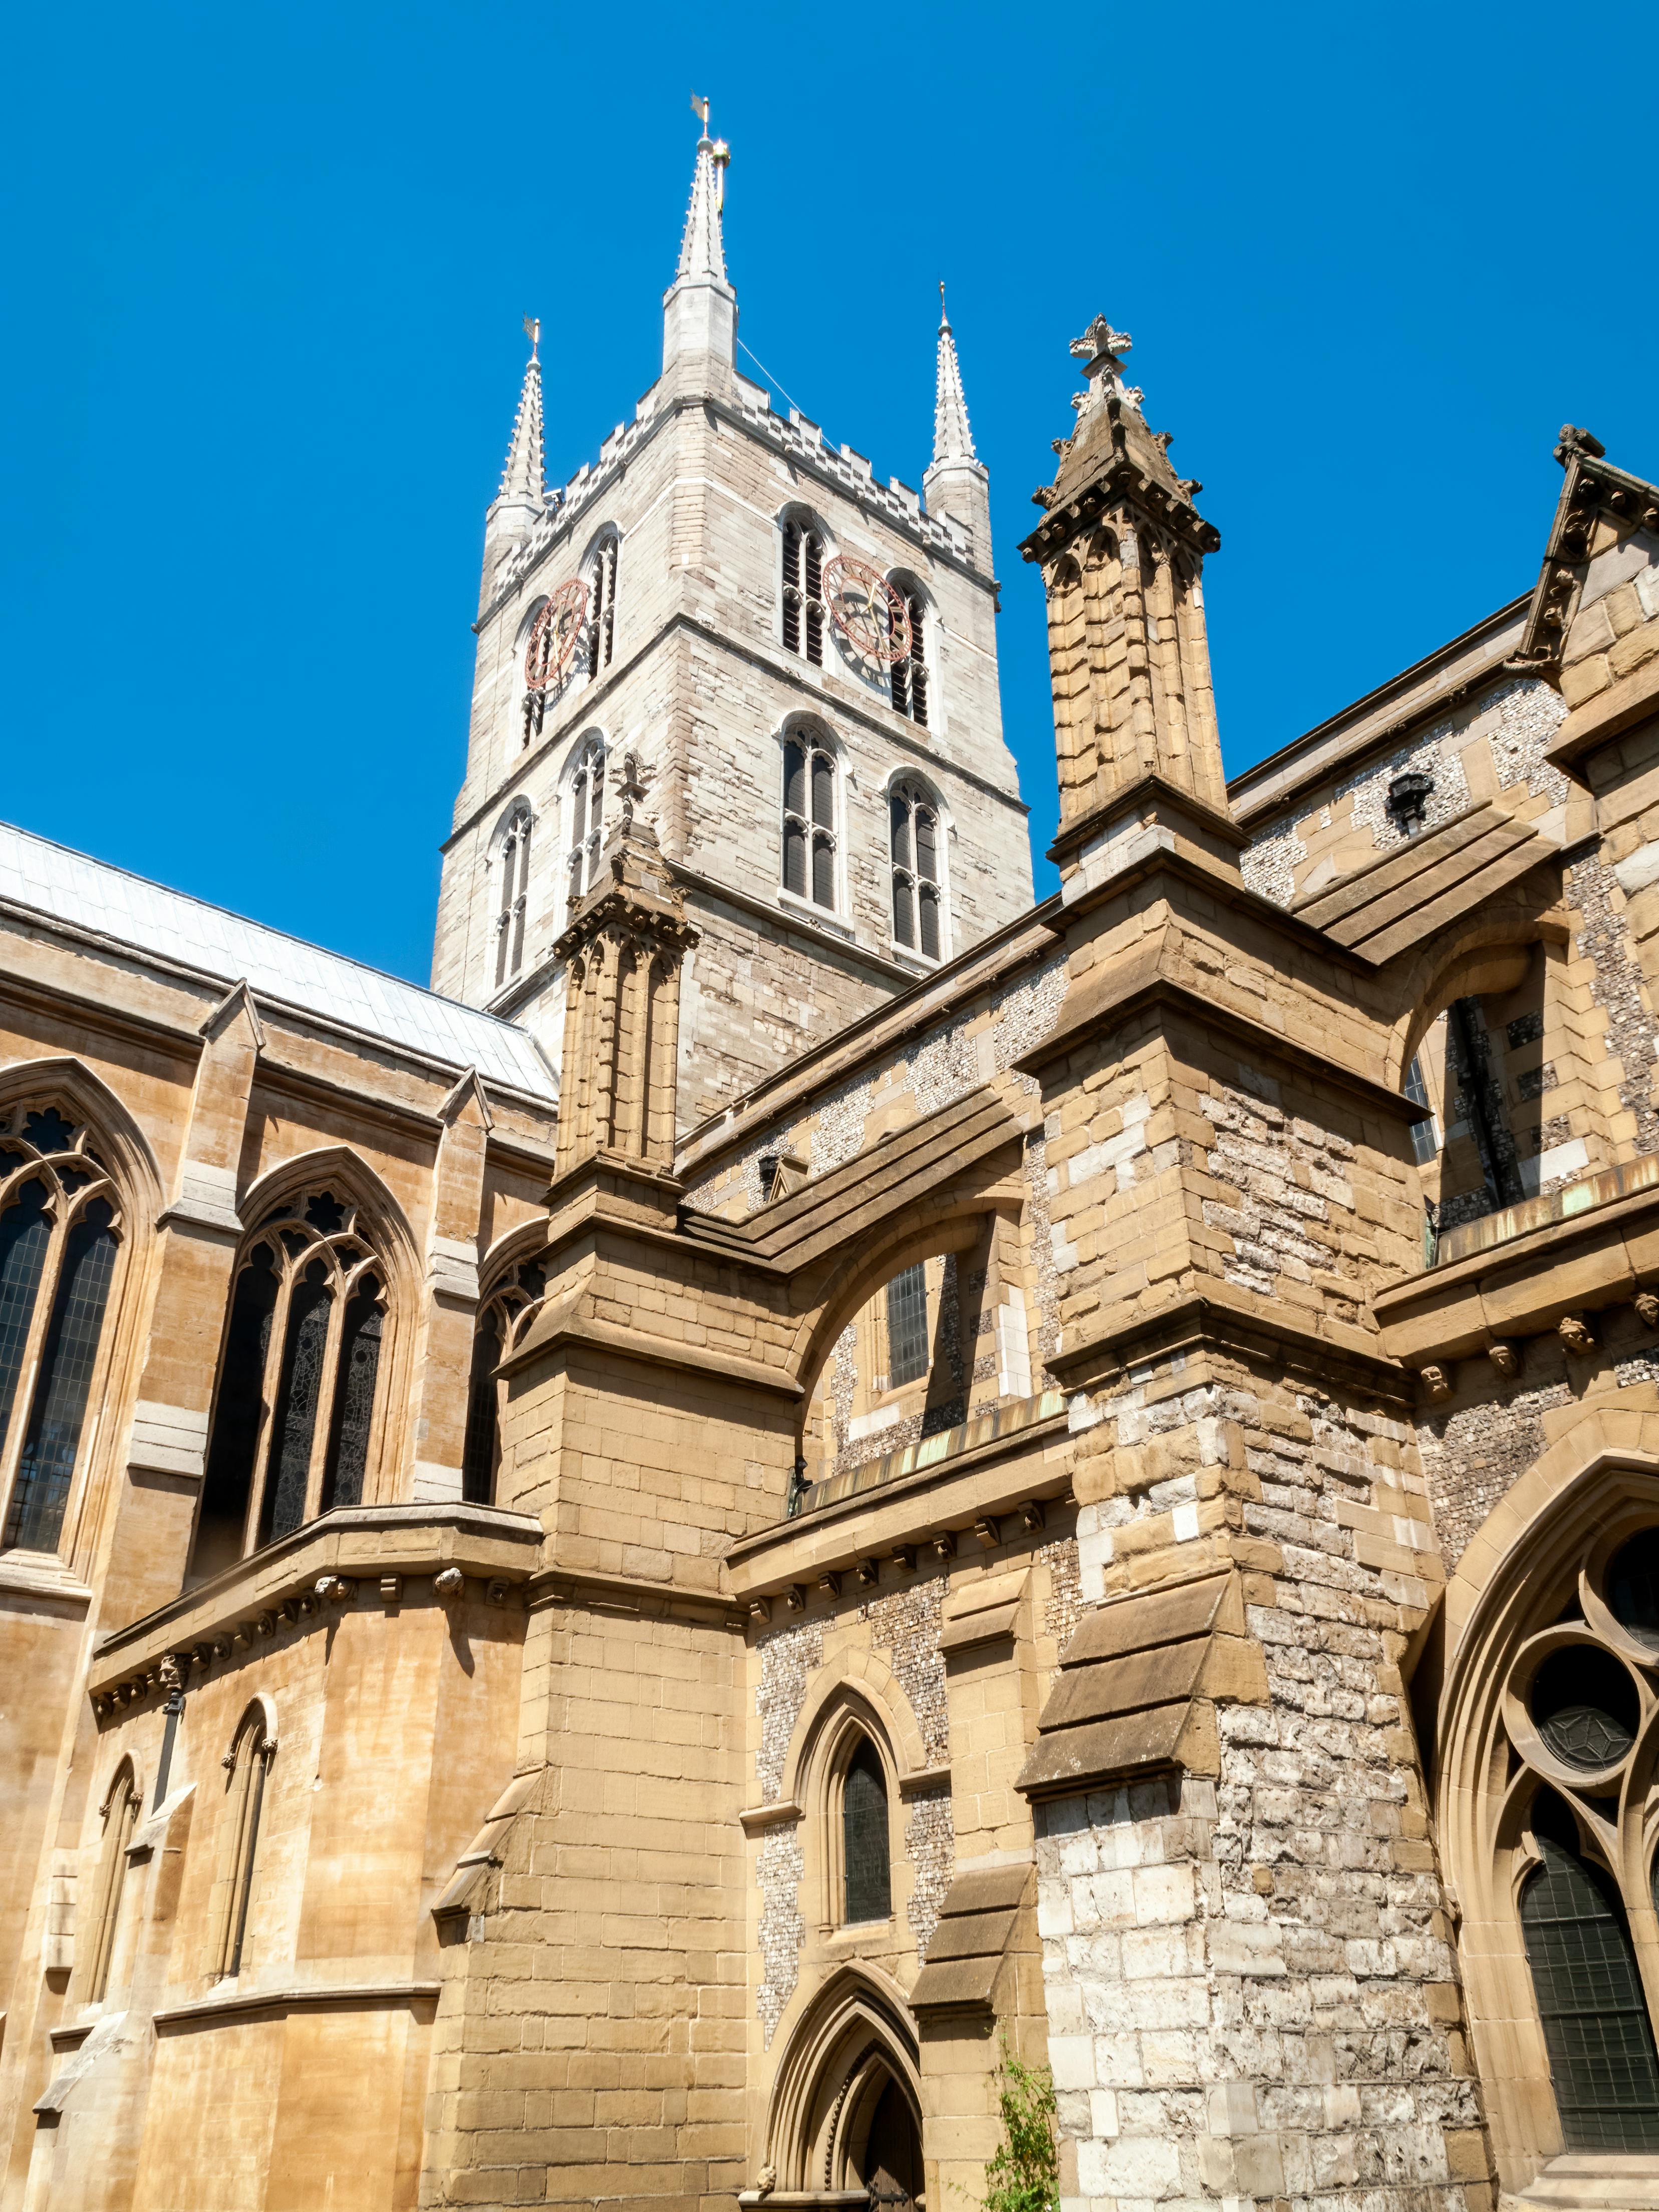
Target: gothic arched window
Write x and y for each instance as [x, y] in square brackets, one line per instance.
[58, 1236]
[513, 860]
[809, 819]
[295, 1414]
[501, 1322]
[918, 894]
[119, 1814]
[909, 676]
[246, 1765]
[587, 819]
[601, 578]
[866, 1848]
[803, 589]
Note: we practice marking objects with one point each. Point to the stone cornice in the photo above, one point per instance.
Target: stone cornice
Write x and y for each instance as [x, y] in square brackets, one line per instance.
[276, 1589]
[1211, 1314]
[345, 1996]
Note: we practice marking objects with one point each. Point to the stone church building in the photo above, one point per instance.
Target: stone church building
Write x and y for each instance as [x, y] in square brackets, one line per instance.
[616, 1573]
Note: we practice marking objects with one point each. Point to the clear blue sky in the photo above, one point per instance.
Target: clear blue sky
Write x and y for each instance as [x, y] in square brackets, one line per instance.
[261, 347]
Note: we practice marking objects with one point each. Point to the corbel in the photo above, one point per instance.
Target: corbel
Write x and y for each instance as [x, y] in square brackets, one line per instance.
[1505, 1356]
[1435, 1382]
[1575, 1332]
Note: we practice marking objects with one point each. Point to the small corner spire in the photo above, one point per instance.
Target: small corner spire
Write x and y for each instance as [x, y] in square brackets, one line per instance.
[702, 248]
[953, 441]
[523, 482]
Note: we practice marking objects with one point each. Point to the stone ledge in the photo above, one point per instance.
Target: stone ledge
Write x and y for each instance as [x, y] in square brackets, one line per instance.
[1633, 699]
[349, 1996]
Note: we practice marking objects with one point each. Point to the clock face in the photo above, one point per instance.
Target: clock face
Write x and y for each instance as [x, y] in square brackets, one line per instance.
[553, 640]
[866, 611]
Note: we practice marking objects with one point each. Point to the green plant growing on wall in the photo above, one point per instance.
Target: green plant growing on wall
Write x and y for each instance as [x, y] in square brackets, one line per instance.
[1024, 2174]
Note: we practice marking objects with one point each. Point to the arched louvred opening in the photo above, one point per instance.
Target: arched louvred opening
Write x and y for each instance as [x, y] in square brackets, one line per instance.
[866, 1845]
[1597, 2028]
[918, 894]
[294, 1418]
[587, 806]
[809, 820]
[512, 864]
[909, 676]
[803, 591]
[502, 1320]
[602, 607]
[119, 1812]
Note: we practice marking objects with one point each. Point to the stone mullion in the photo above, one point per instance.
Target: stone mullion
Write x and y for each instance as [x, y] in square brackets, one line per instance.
[271, 1383]
[29, 1373]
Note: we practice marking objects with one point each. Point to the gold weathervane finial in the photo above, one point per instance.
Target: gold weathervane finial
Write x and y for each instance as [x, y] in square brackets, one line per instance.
[533, 331]
[720, 152]
[700, 109]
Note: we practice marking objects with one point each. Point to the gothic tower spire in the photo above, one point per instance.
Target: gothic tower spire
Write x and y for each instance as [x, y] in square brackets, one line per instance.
[957, 482]
[523, 494]
[699, 309]
[1121, 553]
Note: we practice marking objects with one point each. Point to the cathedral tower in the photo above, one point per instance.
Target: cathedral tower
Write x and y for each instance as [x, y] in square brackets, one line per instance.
[799, 659]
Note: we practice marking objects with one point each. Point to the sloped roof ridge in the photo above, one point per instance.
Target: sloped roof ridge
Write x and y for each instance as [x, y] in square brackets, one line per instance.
[408, 1014]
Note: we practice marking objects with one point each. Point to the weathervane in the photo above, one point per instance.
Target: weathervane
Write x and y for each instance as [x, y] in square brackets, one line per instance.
[533, 331]
[719, 152]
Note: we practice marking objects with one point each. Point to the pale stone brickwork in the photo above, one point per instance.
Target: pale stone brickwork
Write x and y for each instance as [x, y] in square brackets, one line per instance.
[668, 1760]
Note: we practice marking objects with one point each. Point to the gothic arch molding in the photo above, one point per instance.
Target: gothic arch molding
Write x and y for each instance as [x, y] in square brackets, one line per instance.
[853, 2037]
[1527, 1582]
[134, 1163]
[862, 1692]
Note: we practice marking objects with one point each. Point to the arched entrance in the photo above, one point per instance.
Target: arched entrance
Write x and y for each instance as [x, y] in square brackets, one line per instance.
[847, 2109]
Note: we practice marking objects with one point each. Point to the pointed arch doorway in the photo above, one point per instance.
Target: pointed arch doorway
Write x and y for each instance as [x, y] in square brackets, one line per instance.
[847, 2109]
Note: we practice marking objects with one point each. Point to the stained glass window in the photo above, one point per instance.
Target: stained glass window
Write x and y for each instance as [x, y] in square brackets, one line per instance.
[293, 1431]
[58, 1248]
[866, 1848]
[906, 1326]
[1595, 2018]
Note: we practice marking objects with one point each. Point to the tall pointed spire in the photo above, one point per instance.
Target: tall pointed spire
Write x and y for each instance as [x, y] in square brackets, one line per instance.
[702, 248]
[699, 309]
[523, 494]
[957, 482]
[952, 439]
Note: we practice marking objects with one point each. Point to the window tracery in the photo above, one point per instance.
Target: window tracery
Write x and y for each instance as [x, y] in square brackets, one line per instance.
[909, 678]
[586, 803]
[295, 1414]
[918, 894]
[513, 861]
[1577, 1707]
[59, 1235]
[246, 1765]
[502, 1319]
[809, 819]
[804, 612]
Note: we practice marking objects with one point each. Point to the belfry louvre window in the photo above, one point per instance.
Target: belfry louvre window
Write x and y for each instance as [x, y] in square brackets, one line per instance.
[913, 823]
[865, 1848]
[514, 864]
[803, 592]
[586, 820]
[809, 820]
[297, 1386]
[909, 676]
[906, 1326]
[59, 1226]
[602, 608]
[500, 1324]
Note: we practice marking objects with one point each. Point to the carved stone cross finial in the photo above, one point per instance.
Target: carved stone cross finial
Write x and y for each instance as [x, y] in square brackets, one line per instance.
[1101, 338]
